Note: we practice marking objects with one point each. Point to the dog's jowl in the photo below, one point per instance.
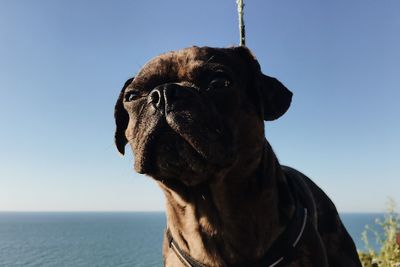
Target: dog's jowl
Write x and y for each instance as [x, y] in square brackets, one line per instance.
[194, 119]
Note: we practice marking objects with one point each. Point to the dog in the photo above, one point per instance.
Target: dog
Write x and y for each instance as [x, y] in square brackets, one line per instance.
[194, 119]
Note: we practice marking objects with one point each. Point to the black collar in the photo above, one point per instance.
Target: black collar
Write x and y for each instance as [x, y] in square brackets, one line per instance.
[280, 251]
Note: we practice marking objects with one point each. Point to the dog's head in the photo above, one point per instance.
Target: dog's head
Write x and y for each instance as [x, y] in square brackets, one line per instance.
[190, 114]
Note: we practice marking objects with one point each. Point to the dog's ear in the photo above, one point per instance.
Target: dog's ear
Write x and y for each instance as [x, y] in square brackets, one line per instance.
[121, 120]
[275, 98]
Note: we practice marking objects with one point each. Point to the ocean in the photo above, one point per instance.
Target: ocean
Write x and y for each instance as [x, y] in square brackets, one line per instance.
[100, 238]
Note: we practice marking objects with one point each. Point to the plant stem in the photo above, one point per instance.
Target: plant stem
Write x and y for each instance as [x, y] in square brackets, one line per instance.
[240, 7]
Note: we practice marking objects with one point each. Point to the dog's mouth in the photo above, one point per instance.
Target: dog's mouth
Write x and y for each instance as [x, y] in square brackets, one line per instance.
[183, 145]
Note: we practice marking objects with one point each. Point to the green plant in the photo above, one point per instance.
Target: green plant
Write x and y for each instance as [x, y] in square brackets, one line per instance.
[389, 253]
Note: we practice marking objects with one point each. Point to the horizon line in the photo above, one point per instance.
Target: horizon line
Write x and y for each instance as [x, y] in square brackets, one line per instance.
[133, 211]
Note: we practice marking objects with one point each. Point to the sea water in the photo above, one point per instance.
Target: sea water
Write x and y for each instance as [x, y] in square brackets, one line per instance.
[100, 238]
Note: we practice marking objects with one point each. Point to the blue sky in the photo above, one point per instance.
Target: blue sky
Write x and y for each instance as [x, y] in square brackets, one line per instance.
[62, 64]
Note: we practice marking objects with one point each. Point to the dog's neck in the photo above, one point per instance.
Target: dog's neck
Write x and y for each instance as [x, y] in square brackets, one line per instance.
[229, 220]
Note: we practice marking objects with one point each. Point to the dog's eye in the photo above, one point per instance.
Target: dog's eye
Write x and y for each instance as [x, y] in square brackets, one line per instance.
[221, 80]
[131, 95]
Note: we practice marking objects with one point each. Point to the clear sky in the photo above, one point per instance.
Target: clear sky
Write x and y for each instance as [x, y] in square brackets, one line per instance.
[62, 64]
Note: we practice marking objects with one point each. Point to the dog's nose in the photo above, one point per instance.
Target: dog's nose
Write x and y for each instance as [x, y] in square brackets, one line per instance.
[164, 96]
[156, 98]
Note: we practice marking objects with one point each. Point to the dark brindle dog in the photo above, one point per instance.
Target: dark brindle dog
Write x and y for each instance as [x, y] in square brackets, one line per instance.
[195, 121]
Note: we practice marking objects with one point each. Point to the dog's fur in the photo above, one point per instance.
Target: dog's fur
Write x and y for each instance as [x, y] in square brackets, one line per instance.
[194, 119]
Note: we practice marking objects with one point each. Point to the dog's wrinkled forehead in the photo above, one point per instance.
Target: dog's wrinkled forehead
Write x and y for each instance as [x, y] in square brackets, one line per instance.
[182, 65]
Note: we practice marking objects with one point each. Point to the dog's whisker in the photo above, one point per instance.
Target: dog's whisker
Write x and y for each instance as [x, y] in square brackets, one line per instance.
[211, 58]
